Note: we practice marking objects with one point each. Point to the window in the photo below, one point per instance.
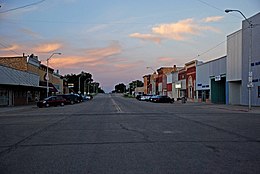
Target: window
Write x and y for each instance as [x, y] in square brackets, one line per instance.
[258, 91]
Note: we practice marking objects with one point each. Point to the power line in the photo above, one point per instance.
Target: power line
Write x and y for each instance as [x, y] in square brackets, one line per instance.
[3, 45]
[217, 45]
[212, 6]
[17, 8]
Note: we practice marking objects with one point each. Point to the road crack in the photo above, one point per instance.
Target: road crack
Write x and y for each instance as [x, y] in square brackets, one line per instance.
[140, 132]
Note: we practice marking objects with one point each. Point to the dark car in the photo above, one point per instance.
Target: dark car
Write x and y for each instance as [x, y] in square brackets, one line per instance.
[79, 98]
[87, 97]
[145, 97]
[51, 101]
[70, 98]
[161, 99]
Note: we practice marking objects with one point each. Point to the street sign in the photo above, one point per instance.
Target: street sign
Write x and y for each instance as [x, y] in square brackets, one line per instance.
[217, 78]
[70, 85]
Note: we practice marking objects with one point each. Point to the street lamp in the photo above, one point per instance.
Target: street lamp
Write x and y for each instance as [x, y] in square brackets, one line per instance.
[82, 74]
[148, 67]
[47, 74]
[250, 74]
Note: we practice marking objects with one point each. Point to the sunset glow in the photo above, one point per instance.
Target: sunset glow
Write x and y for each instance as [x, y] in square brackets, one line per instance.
[116, 40]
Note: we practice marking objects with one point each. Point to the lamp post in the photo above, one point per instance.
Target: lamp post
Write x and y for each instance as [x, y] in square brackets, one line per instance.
[82, 74]
[47, 73]
[154, 81]
[250, 74]
[148, 67]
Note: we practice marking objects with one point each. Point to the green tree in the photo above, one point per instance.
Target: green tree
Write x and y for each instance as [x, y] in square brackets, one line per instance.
[84, 77]
[120, 88]
[134, 84]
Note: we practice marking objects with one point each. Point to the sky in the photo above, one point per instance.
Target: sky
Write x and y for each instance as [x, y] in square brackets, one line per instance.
[116, 40]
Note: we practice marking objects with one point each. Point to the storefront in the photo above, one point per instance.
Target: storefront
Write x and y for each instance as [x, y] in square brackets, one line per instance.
[23, 88]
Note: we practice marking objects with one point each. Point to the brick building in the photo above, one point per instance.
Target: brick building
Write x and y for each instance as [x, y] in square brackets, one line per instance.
[28, 65]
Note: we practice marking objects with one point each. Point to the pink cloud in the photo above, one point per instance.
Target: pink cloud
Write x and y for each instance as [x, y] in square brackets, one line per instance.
[148, 37]
[13, 47]
[213, 19]
[90, 57]
[47, 47]
[165, 59]
[181, 30]
[112, 49]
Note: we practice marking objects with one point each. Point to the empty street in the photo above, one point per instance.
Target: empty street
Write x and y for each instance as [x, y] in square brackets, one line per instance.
[113, 134]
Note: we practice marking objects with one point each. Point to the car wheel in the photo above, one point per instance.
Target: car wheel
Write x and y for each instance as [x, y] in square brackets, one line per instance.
[72, 102]
[62, 104]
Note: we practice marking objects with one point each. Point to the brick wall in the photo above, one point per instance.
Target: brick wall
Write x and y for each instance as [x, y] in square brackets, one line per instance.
[19, 63]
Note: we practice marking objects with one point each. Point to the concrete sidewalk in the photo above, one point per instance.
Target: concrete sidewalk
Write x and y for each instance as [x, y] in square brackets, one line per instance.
[234, 108]
[17, 108]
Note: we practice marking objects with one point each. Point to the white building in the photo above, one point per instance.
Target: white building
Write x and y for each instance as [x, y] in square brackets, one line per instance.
[238, 63]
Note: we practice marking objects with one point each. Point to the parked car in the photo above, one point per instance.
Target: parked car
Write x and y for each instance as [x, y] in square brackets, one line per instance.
[70, 98]
[161, 99]
[87, 97]
[79, 98]
[51, 101]
[145, 97]
[138, 96]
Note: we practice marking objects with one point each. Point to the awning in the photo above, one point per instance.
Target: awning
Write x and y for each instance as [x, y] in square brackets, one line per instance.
[51, 86]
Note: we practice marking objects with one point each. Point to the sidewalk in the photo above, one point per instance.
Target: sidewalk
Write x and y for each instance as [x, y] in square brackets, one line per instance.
[16, 108]
[237, 108]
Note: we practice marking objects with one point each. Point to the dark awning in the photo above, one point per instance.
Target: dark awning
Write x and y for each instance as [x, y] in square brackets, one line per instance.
[51, 86]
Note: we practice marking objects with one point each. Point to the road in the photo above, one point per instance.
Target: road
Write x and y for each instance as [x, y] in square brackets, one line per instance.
[112, 134]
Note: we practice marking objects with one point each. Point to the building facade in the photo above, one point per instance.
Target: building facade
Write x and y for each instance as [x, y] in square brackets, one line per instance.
[31, 64]
[147, 79]
[211, 81]
[191, 79]
[18, 87]
[240, 45]
[181, 83]
[162, 79]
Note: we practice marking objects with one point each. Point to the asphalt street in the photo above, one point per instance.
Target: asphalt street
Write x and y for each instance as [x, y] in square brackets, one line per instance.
[112, 134]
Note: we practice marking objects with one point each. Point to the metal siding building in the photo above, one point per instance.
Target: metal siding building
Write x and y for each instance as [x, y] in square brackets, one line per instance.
[238, 49]
[255, 61]
[234, 67]
[211, 80]
[16, 86]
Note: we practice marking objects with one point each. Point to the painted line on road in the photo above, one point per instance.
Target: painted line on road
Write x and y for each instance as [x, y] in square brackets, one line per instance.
[118, 109]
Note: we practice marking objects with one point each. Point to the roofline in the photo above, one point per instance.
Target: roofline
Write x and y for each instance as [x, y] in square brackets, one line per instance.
[213, 60]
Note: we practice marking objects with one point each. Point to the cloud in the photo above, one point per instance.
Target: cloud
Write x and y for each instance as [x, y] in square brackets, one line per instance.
[30, 33]
[148, 37]
[165, 59]
[212, 19]
[112, 49]
[90, 57]
[128, 65]
[11, 48]
[97, 28]
[180, 31]
[48, 47]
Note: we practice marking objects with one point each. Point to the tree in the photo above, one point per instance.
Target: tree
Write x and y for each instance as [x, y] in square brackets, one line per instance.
[84, 77]
[134, 84]
[120, 88]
